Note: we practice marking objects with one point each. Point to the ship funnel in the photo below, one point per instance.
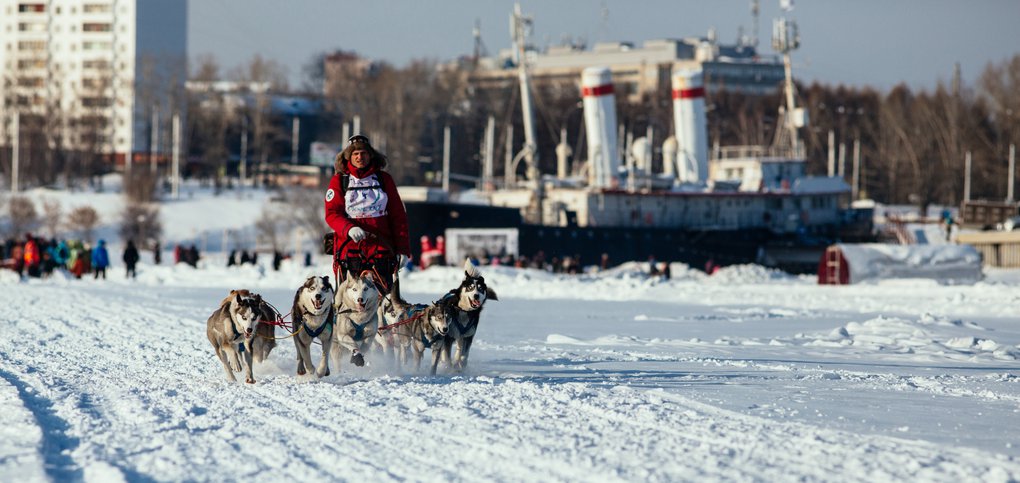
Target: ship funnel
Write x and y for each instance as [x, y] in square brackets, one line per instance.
[600, 124]
[689, 121]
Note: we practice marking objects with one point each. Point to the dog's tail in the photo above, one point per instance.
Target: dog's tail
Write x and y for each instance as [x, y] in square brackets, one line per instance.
[470, 269]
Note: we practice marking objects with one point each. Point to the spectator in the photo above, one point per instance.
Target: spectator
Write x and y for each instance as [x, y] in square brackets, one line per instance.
[232, 258]
[130, 259]
[178, 254]
[604, 262]
[100, 260]
[277, 260]
[32, 256]
[653, 268]
[157, 253]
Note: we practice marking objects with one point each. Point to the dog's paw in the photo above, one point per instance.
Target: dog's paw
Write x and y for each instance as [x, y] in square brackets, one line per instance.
[250, 380]
[326, 374]
[300, 369]
[358, 359]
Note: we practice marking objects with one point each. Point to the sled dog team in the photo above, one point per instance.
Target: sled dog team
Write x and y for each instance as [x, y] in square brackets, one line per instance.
[351, 319]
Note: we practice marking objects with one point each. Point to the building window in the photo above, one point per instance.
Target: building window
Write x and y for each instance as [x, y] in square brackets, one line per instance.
[31, 7]
[96, 102]
[95, 64]
[95, 27]
[31, 27]
[96, 8]
[30, 81]
[94, 45]
[32, 45]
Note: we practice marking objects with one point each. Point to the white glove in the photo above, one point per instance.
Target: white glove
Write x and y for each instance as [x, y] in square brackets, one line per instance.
[357, 234]
[401, 261]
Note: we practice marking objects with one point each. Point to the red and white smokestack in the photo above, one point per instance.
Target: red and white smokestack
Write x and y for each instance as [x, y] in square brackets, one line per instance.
[600, 125]
[690, 125]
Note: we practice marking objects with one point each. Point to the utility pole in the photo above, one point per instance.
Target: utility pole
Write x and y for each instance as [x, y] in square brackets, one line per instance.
[176, 180]
[1012, 172]
[294, 135]
[446, 159]
[490, 136]
[15, 151]
[243, 168]
[832, 153]
[154, 142]
[855, 188]
[966, 178]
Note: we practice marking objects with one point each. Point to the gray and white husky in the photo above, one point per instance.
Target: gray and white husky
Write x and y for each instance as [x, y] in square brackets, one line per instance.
[463, 306]
[312, 318]
[414, 327]
[232, 329]
[357, 317]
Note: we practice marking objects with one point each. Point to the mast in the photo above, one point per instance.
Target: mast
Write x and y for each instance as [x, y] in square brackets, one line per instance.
[786, 39]
[518, 28]
[520, 24]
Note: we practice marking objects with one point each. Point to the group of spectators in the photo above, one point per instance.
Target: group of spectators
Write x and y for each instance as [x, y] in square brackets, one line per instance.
[39, 257]
[567, 264]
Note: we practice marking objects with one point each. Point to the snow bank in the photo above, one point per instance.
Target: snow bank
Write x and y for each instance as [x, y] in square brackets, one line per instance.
[945, 263]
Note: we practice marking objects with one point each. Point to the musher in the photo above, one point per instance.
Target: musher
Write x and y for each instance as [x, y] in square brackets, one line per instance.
[366, 214]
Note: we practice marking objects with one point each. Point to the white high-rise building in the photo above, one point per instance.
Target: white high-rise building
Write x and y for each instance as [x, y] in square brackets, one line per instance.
[98, 72]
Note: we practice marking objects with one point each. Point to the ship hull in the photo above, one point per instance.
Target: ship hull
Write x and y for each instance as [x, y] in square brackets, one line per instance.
[694, 247]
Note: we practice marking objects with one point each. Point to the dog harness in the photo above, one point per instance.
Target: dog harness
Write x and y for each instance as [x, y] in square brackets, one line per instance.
[316, 332]
[240, 345]
[359, 330]
[428, 342]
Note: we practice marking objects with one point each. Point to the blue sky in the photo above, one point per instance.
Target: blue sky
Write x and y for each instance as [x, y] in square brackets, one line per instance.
[854, 42]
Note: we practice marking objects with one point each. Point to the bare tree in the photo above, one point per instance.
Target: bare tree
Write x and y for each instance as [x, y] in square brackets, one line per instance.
[84, 220]
[24, 217]
[141, 222]
[271, 225]
[141, 186]
[307, 211]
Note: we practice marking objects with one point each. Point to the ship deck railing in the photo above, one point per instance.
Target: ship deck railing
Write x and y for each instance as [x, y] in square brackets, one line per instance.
[757, 151]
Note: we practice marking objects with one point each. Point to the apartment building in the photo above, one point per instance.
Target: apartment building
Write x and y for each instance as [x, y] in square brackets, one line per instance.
[104, 74]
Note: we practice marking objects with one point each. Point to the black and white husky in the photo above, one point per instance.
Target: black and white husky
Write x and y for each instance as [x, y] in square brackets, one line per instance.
[463, 305]
[232, 330]
[357, 317]
[312, 318]
[411, 327]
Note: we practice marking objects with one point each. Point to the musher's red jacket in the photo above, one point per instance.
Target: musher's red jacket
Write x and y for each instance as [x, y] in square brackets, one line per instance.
[389, 225]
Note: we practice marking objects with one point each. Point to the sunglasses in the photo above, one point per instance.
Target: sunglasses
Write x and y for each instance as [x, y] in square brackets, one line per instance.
[358, 138]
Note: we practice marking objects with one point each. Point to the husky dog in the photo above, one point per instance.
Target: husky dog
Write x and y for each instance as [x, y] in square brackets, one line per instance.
[429, 331]
[312, 318]
[231, 329]
[265, 339]
[357, 317]
[394, 329]
[413, 327]
[463, 306]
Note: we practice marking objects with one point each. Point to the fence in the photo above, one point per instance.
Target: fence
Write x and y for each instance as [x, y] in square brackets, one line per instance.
[997, 248]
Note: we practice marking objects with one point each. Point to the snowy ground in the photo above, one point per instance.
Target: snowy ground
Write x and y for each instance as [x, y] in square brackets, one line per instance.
[745, 375]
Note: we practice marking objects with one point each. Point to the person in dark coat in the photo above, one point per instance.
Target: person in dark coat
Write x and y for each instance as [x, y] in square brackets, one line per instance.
[130, 259]
[157, 253]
